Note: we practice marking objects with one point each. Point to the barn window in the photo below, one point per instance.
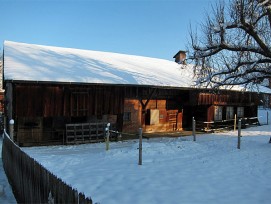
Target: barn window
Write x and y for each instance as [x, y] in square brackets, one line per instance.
[229, 113]
[79, 103]
[240, 112]
[218, 113]
[127, 116]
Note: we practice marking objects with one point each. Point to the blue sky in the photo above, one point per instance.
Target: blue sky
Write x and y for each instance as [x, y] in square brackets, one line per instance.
[153, 28]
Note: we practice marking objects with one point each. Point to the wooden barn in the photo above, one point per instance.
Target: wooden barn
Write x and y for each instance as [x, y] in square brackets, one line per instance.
[68, 95]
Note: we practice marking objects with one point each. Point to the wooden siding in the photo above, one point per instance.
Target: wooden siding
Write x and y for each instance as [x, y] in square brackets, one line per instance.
[51, 101]
[132, 106]
[1, 102]
[166, 120]
[56, 105]
[226, 98]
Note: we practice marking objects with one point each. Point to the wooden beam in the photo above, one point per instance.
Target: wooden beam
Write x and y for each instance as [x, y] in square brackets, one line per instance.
[144, 105]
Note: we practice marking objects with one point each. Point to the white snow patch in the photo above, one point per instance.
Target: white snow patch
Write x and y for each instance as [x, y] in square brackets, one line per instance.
[174, 170]
[46, 63]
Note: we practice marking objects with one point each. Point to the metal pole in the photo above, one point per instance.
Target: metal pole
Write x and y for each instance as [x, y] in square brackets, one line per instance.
[194, 129]
[5, 123]
[11, 129]
[107, 136]
[267, 117]
[267, 113]
[239, 134]
[235, 120]
[140, 147]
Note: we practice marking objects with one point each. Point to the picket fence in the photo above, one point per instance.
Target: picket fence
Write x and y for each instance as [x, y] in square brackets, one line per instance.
[31, 182]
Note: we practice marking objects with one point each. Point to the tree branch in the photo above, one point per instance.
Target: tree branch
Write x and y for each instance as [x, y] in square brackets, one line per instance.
[236, 47]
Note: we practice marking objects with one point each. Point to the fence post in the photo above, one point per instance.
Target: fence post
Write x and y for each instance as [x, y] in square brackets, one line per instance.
[5, 123]
[239, 134]
[107, 136]
[194, 129]
[11, 129]
[267, 117]
[234, 125]
[50, 198]
[140, 147]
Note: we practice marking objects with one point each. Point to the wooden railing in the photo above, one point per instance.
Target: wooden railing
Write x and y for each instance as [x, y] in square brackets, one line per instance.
[225, 124]
[86, 132]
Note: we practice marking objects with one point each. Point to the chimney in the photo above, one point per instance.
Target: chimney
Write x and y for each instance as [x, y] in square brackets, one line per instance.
[180, 57]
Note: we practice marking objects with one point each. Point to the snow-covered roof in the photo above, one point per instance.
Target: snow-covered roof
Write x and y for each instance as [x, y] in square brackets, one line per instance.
[29, 62]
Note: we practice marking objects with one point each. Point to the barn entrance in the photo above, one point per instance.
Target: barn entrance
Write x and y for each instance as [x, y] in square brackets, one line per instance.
[163, 120]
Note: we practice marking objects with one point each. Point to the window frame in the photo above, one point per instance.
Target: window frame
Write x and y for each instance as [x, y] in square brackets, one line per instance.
[240, 112]
[229, 112]
[218, 113]
[127, 116]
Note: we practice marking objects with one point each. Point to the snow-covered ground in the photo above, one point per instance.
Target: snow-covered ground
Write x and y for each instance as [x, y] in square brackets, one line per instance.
[174, 170]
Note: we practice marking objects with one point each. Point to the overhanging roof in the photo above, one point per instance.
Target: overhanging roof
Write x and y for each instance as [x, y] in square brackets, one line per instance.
[28, 62]
[46, 64]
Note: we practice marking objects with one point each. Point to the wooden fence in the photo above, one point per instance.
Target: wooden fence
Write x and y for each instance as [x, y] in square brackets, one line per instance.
[87, 132]
[31, 182]
[225, 124]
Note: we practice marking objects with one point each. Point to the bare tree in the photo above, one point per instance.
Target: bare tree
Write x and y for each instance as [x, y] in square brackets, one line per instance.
[233, 46]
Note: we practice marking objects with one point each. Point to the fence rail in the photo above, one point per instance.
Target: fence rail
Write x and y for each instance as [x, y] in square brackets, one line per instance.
[86, 132]
[225, 124]
[31, 182]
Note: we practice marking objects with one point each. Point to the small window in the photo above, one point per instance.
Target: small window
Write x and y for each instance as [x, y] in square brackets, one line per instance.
[218, 113]
[229, 113]
[127, 116]
[240, 112]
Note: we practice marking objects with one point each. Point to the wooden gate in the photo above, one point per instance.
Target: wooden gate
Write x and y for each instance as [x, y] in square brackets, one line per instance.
[85, 133]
